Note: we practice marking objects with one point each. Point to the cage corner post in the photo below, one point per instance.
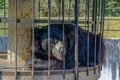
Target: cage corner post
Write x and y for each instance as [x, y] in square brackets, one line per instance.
[24, 30]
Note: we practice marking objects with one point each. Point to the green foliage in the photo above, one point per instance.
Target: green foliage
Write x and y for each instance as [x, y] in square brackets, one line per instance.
[56, 7]
[2, 4]
[113, 4]
[112, 7]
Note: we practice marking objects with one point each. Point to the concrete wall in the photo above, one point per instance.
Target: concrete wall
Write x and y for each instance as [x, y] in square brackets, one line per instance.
[111, 69]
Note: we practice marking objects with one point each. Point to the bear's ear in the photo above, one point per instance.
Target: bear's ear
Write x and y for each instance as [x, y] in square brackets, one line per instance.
[38, 31]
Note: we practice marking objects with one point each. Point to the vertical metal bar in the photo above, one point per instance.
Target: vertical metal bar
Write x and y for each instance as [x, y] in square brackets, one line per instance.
[94, 15]
[95, 53]
[76, 40]
[69, 10]
[99, 14]
[87, 6]
[5, 26]
[102, 25]
[86, 14]
[39, 8]
[15, 38]
[103, 16]
[94, 30]
[49, 16]
[63, 40]
[59, 12]
[33, 38]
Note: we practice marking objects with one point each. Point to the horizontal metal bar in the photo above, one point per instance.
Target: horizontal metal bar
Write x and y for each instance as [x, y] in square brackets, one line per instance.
[3, 55]
[12, 67]
[55, 8]
[45, 72]
[52, 20]
[42, 21]
[112, 18]
[111, 30]
[3, 52]
[3, 28]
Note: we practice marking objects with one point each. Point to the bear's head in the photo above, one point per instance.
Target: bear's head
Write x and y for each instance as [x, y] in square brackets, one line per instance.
[56, 48]
[56, 42]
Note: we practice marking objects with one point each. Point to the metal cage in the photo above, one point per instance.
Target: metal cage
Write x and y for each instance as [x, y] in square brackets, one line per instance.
[18, 19]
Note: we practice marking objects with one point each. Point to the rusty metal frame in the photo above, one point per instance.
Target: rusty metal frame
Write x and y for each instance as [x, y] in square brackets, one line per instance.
[45, 72]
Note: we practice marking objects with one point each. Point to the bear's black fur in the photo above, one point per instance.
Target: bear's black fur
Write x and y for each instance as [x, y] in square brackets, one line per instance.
[56, 37]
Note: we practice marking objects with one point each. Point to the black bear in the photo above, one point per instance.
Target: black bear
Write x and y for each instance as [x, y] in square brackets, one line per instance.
[57, 51]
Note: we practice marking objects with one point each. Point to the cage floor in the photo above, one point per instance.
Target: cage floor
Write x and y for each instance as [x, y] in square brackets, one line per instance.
[8, 71]
[6, 65]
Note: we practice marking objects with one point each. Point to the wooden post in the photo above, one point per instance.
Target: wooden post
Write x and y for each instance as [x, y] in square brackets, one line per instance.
[24, 11]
